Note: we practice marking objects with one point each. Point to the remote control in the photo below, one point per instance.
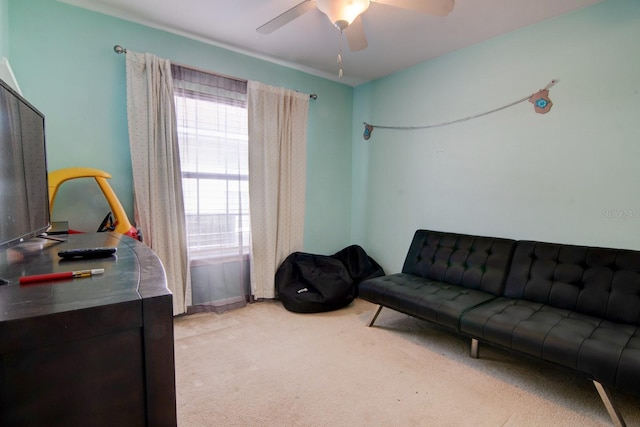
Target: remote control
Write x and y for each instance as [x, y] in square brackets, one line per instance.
[87, 253]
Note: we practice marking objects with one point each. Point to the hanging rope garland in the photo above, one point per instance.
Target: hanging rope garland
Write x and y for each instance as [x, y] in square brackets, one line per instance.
[540, 100]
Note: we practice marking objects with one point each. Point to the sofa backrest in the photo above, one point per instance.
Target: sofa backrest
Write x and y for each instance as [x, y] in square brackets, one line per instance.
[474, 262]
[599, 282]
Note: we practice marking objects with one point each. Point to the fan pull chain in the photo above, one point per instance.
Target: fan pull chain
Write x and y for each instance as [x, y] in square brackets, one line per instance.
[340, 55]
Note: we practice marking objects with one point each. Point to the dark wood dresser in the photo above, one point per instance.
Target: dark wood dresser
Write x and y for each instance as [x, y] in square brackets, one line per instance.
[95, 351]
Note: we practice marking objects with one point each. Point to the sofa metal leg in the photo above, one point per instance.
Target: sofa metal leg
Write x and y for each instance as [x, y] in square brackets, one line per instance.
[475, 348]
[615, 415]
[375, 315]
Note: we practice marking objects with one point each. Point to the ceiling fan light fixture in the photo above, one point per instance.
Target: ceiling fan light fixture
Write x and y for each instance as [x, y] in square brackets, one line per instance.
[342, 12]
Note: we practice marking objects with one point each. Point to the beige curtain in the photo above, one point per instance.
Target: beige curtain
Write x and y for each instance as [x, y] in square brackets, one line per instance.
[277, 178]
[158, 202]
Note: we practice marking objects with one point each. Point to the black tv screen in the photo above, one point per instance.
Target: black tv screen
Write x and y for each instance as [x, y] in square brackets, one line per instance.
[24, 198]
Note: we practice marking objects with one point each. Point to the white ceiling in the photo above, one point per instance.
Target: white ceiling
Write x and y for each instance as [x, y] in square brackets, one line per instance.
[397, 38]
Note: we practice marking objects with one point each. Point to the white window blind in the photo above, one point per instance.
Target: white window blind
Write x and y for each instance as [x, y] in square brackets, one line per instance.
[211, 113]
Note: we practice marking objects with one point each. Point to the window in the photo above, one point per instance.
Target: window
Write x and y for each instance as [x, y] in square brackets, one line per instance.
[212, 121]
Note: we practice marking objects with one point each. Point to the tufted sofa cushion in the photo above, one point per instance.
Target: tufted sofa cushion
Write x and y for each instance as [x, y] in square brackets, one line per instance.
[473, 262]
[426, 299]
[444, 275]
[598, 282]
[575, 306]
[606, 351]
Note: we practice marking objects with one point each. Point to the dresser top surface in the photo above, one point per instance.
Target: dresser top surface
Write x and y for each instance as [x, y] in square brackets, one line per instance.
[132, 273]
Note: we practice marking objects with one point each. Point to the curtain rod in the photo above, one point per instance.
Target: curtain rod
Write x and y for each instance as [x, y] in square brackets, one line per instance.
[119, 49]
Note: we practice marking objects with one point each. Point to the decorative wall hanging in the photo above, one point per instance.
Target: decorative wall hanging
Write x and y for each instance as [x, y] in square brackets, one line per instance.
[540, 100]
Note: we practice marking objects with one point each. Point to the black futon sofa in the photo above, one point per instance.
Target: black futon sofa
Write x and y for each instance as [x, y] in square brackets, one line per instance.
[574, 306]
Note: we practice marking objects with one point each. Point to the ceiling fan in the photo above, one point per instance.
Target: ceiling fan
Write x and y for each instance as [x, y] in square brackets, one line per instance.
[346, 15]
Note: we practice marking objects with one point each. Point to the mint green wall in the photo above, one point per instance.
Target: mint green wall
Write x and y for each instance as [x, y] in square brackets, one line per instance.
[64, 60]
[4, 28]
[568, 176]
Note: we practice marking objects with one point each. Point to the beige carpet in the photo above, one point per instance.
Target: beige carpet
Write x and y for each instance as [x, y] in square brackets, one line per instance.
[264, 366]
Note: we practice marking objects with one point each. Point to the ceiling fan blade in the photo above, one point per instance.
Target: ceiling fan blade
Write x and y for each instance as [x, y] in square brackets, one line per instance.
[430, 7]
[356, 36]
[286, 17]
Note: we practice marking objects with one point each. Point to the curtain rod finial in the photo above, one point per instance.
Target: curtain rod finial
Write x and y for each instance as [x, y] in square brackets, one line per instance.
[119, 49]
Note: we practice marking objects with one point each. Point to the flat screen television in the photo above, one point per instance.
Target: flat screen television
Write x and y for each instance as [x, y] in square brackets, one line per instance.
[24, 197]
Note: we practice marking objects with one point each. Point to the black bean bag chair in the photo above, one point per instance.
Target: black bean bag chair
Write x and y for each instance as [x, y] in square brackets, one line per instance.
[310, 283]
